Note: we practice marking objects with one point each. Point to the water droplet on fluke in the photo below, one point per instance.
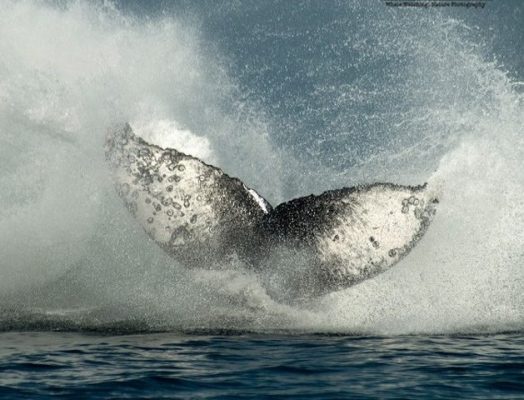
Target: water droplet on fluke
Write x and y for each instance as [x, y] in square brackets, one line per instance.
[374, 242]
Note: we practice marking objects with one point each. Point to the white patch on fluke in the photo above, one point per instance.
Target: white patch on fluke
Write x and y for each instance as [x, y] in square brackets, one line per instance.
[261, 202]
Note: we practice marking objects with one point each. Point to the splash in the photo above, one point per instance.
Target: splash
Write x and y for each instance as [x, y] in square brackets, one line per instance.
[71, 257]
[68, 78]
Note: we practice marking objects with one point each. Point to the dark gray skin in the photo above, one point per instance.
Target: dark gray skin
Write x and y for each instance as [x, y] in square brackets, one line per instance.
[206, 219]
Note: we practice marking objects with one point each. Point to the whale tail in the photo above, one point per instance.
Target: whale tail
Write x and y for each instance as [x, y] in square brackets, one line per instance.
[204, 218]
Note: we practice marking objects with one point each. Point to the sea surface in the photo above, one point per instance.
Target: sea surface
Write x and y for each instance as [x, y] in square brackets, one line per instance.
[294, 98]
[247, 366]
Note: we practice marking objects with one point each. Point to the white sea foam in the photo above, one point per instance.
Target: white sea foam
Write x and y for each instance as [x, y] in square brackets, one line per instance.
[168, 134]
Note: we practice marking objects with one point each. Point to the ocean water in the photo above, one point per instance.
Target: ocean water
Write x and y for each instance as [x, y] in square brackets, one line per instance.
[293, 98]
[67, 365]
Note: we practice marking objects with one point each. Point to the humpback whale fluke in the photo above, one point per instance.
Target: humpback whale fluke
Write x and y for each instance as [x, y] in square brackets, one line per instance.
[203, 217]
